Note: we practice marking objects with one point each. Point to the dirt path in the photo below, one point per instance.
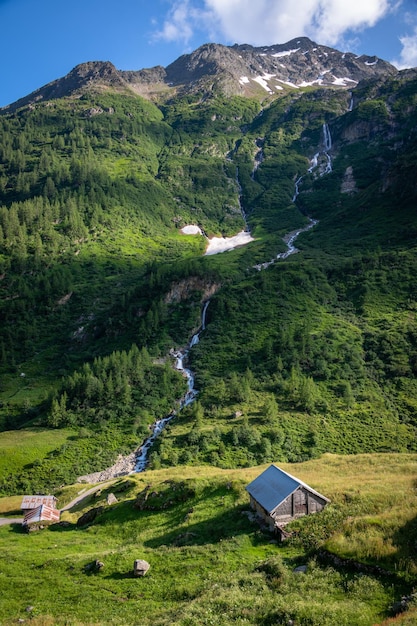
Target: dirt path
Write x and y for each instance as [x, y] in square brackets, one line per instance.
[83, 495]
[67, 507]
[10, 520]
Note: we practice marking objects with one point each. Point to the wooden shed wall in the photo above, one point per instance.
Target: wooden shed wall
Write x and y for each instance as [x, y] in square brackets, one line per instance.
[301, 502]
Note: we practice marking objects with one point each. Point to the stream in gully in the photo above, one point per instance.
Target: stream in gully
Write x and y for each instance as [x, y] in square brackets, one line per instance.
[137, 461]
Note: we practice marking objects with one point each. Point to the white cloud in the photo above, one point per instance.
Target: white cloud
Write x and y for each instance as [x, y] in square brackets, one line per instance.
[266, 22]
[408, 55]
[277, 21]
[182, 20]
[178, 24]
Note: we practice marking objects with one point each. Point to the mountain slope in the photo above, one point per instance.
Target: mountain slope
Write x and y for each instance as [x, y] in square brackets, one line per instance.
[98, 283]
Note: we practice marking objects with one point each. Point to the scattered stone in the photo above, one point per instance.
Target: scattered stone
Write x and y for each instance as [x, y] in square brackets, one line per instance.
[94, 111]
[124, 465]
[29, 608]
[32, 528]
[251, 516]
[238, 413]
[124, 485]
[111, 499]
[185, 539]
[141, 498]
[399, 607]
[140, 567]
[301, 569]
[94, 567]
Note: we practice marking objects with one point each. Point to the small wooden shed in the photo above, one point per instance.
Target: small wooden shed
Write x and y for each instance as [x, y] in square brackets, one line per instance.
[279, 498]
[41, 513]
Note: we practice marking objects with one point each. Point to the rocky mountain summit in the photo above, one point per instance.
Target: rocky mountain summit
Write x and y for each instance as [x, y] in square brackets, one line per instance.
[245, 70]
[297, 63]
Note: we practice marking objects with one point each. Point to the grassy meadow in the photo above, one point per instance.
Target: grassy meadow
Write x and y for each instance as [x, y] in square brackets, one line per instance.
[210, 563]
[19, 448]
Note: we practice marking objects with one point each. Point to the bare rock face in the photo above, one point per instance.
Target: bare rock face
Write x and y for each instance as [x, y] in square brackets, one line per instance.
[348, 183]
[244, 69]
[140, 567]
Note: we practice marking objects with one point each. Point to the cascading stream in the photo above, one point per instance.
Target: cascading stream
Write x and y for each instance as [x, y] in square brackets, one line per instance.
[290, 238]
[141, 457]
[159, 425]
[327, 147]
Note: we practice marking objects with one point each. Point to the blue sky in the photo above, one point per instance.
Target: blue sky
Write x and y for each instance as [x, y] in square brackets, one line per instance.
[43, 40]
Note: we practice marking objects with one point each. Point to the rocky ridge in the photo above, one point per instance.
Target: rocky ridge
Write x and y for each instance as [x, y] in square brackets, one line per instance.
[245, 70]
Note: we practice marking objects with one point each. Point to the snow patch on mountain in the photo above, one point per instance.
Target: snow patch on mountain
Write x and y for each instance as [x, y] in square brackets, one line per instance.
[262, 81]
[223, 244]
[285, 53]
[191, 229]
[342, 82]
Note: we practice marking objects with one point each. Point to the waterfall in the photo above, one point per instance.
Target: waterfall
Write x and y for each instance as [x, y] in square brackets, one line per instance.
[203, 315]
[314, 162]
[290, 238]
[327, 137]
[259, 156]
[297, 188]
[223, 244]
[328, 146]
[188, 398]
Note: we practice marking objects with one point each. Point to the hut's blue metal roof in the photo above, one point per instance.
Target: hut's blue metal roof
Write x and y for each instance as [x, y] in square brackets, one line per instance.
[274, 485]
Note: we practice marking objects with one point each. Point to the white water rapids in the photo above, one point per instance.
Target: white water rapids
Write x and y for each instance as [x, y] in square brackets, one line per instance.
[159, 425]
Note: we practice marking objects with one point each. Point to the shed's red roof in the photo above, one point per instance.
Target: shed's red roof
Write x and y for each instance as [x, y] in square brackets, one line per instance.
[32, 502]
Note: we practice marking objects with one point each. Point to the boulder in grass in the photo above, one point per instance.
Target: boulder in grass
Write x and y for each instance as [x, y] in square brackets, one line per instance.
[140, 567]
[89, 516]
[94, 567]
[111, 499]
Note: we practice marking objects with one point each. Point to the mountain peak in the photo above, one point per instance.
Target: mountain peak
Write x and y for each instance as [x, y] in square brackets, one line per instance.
[97, 75]
[240, 69]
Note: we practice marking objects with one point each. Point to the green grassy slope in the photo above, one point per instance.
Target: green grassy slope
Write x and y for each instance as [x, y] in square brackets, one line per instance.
[209, 563]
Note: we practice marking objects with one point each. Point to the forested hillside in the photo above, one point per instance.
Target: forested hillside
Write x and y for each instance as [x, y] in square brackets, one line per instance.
[313, 353]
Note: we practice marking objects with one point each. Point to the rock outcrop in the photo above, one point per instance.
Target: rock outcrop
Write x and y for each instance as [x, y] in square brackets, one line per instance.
[231, 70]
